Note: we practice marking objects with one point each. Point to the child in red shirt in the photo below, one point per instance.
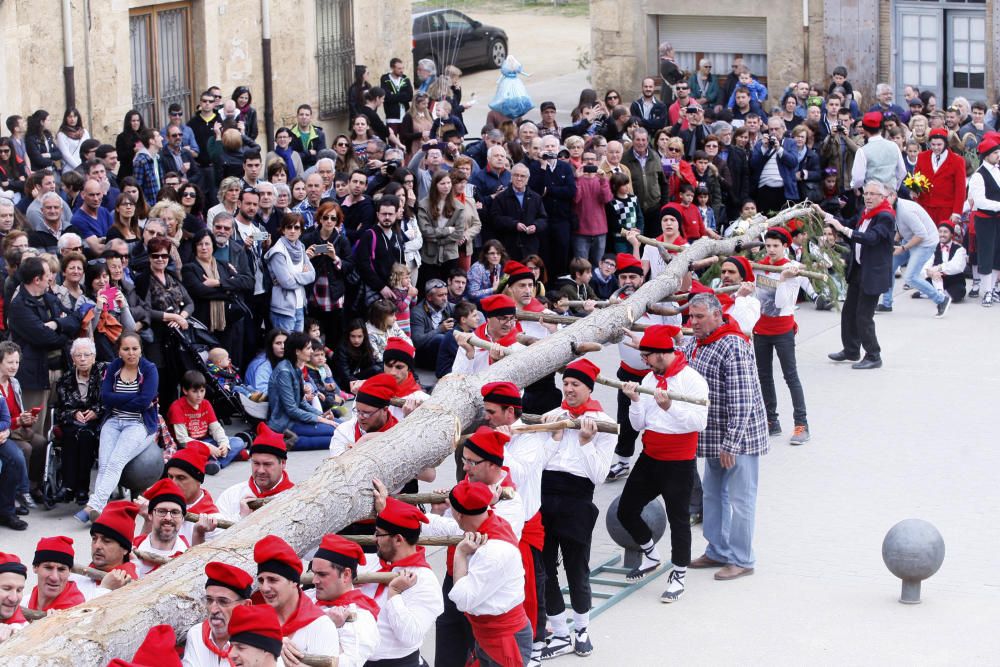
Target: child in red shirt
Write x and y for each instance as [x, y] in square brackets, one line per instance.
[191, 417]
[693, 227]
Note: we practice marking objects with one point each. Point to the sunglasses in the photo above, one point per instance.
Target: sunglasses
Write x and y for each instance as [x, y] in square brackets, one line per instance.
[95, 262]
[159, 255]
[613, 97]
[4, 150]
[295, 227]
[682, 88]
[341, 144]
[673, 150]
[176, 114]
[190, 193]
[329, 217]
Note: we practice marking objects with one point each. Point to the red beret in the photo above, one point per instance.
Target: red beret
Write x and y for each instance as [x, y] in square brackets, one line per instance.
[470, 497]
[786, 236]
[229, 576]
[117, 522]
[938, 132]
[399, 518]
[269, 442]
[584, 370]
[497, 305]
[273, 554]
[11, 563]
[57, 549]
[340, 551]
[947, 223]
[872, 120]
[743, 266]
[488, 443]
[501, 393]
[377, 390]
[192, 459]
[256, 625]
[659, 338]
[625, 263]
[399, 349]
[165, 491]
[515, 272]
[158, 649]
[990, 143]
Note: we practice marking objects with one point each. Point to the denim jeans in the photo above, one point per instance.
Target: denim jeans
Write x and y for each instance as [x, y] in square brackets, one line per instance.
[730, 502]
[590, 248]
[764, 349]
[312, 436]
[915, 260]
[236, 445]
[13, 476]
[289, 322]
[121, 441]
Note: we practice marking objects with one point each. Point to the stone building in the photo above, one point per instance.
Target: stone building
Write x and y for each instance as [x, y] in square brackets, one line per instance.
[145, 54]
[937, 45]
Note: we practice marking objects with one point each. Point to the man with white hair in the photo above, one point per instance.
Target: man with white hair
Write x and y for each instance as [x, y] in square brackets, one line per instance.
[46, 237]
[70, 242]
[426, 74]
[6, 214]
[883, 92]
[326, 168]
[495, 177]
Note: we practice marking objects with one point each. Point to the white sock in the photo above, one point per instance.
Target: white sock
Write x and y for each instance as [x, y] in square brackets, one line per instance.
[677, 580]
[581, 621]
[681, 571]
[558, 623]
[975, 274]
[650, 555]
[986, 283]
[647, 546]
[624, 460]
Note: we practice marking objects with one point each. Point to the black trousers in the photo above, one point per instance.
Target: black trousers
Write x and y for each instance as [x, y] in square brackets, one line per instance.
[626, 434]
[696, 504]
[770, 199]
[558, 248]
[857, 322]
[671, 480]
[764, 349]
[412, 660]
[574, 545]
[956, 290]
[79, 449]
[453, 640]
[538, 561]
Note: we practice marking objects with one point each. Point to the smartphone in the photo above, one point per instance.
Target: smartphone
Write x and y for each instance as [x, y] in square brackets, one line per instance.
[321, 248]
[590, 168]
[261, 235]
[110, 293]
[35, 410]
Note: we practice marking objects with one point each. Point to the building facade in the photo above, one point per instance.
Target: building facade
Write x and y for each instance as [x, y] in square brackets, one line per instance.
[936, 45]
[146, 54]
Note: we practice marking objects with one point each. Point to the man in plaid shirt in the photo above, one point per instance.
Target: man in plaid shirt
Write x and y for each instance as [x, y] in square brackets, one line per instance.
[733, 441]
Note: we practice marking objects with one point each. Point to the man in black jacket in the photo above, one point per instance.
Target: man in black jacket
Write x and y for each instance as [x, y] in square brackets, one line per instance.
[430, 322]
[519, 217]
[558, 193]
[869, 274]
[378, 249]
[651, 111]
[398, 94]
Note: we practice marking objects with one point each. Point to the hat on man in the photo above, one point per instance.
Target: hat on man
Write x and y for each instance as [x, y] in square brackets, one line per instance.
[11, 563]
[269, 442]
[515, 272]
[57, 549]
[659, 338]
[158, 649]
[377, 390]
[779, 233]
[165, 491]
[273, 554]
[488, 443]
[501, 393]
[547, 105]
[257, 626]
[915, 102]
[229, 576]
[676, 213]
[498, 305]
[989, 144]
[399, 518]
[626, 263]
[117, 522]
[583, 370]
[192, 459]
[470, 498]
[872, 120]
[399, 349]
[939, 133]
[742, 265]
[340, 551]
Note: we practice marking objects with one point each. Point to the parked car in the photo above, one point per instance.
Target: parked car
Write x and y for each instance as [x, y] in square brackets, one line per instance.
[449, 37]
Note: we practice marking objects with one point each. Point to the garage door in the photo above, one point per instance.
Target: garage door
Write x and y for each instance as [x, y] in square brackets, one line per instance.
[717, 38]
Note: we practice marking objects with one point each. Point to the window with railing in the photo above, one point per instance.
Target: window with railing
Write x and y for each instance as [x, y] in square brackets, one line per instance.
[334, 54]
[160, 41]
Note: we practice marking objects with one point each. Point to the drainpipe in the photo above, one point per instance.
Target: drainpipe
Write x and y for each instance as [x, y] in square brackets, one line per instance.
[805, 40]
[265, 21]
[68, 81]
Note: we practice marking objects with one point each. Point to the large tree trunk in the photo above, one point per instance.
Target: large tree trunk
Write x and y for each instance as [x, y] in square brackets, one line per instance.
[337, 494]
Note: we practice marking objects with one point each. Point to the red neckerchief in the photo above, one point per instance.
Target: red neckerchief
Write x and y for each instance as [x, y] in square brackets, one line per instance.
[534, 306]
[728, 328]
[389, 423]
[506, 341]
[884, 207]
[497, 528]
[679, 240]
[678, 364]
[449, 561]
[70, 597]
[408, 386]
[767, 261]
[356, 597]
[206, 638]
[18, 617]
[127, 568]
[305, 613]
[589, 406]
[283, 485]
[417, 559]
[726, 300]
[204, 505]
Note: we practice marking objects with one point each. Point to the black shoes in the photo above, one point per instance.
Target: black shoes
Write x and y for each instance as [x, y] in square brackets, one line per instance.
[883, 309]
[773, 428]
[942, 307]
[12, 522]
[867, 363]
[843, 356]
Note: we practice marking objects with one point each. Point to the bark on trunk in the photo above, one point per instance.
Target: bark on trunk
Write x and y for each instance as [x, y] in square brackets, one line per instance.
[337, 494]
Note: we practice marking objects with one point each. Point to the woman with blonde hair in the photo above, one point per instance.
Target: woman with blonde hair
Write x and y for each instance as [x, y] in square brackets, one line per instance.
[416, 127]
[229, 197]
[172, 215]
[918, 130]
[676, 169]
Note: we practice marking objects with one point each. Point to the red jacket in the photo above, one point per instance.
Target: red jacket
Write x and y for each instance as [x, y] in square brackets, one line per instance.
[948, 183]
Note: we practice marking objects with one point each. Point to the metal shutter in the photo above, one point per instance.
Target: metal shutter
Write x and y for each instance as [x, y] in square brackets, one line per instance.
[719, 34]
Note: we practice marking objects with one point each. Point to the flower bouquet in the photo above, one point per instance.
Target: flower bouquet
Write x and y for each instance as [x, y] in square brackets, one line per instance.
[917, 183]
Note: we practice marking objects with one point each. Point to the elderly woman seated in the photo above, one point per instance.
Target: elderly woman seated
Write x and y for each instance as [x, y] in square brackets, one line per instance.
[78, 413]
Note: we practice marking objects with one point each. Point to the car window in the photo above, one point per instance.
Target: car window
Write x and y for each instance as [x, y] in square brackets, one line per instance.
[435, 23]
[456, 21]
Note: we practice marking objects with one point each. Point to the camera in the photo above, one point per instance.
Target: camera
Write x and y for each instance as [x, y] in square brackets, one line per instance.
[391, 166]
[549, 156]
[590, 168]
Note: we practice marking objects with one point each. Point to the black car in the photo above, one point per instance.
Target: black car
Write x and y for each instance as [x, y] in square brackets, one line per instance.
[449, 37]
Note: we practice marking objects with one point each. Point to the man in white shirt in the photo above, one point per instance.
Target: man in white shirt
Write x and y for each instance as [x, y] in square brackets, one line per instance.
[268, 477]
[500, 329]
[226, 588]
[165, 510]
[542, 395]
[916, 239]
[946, 267]
[743, 306]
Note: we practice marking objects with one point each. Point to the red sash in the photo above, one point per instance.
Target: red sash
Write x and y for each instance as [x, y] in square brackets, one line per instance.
[389, 423]
[728, 328]
[283, 485]
[775, 326]
[634, 371]
[589, 406]
[532, 537]
[670, 446]
[305, 613]
[206, 638]
[205, 504]
[353, 596]
[70, 597]
[416, 559]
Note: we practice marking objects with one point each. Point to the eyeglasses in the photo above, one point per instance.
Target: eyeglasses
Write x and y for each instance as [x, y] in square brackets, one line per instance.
[673, 150]
[329, 217]
[83, 354]
[160, 512]
[378, 535]
[95, 262]
[159, 255]
[471, 463]
[208, 101]
[682, 88]
[128, 203]
[174, 135]
[189, 193]
[74, 249]
[295, 227]
[223, 228]
[707, 66]
[365, 414]
[224, 603]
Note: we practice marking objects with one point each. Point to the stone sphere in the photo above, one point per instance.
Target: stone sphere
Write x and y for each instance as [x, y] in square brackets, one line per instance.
[140, 473]
[913, 550]
[653, 514]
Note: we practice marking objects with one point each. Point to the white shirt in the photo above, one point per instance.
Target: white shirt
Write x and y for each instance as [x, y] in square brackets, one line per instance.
[977, 190]
[229, 502]
[142, 567]
[787, 291]
[681, 417]
[526, 455]
[592, 460]
[494, 582]
[319, 637]
[91, 589]
[512, 511]
[745, 311]
[419, 396]
[405, 619]
[479, 362]
[196, 654]
[949, 267]
[358, 639]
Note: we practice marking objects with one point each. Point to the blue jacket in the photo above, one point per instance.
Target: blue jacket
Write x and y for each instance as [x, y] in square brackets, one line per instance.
[285, 403]
[144, 402]
[758, 93]
[788, 163]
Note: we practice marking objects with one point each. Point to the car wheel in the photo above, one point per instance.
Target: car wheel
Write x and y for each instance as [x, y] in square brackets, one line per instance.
[498, 53]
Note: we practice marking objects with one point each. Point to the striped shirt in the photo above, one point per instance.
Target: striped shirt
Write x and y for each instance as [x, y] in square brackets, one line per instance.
[126, 387]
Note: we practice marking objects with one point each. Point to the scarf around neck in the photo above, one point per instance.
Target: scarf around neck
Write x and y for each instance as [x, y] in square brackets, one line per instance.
[216, 307]
[296, 251]
[728, 328]
[286, 155]
[678, 364]
[283, 485]
[589, 405]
